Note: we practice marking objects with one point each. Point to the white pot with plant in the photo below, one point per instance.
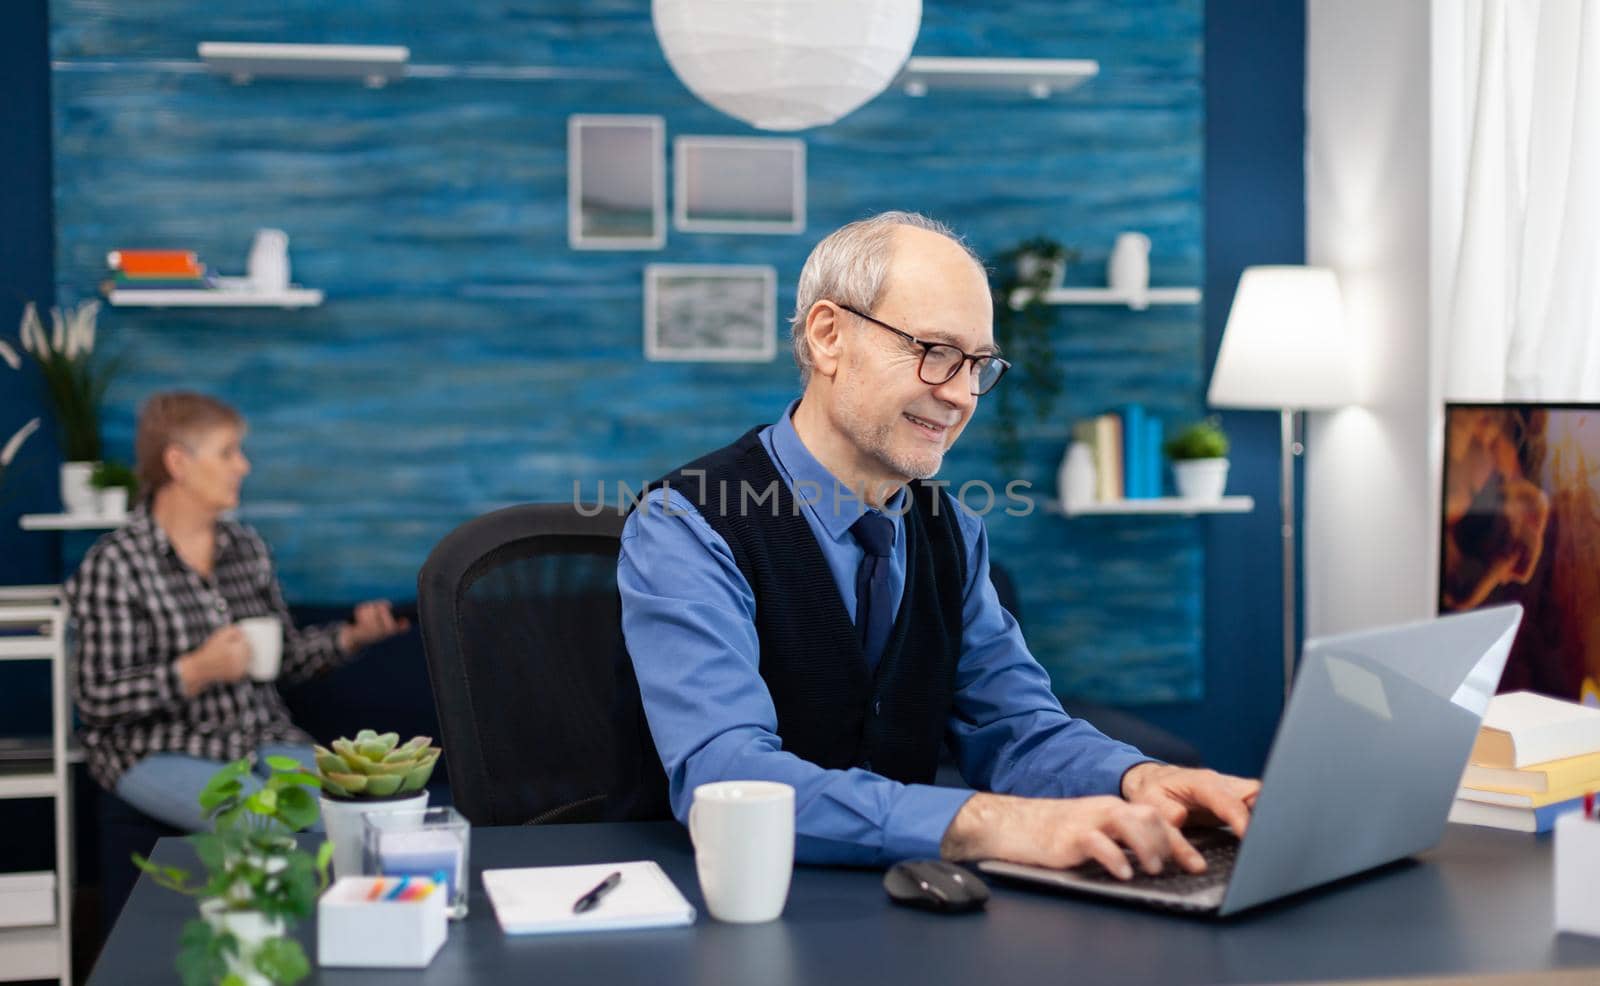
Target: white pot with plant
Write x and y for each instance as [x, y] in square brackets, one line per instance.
[369, 773]
[1199, 455]
[114, 485]
[76, 382]
[258, 881]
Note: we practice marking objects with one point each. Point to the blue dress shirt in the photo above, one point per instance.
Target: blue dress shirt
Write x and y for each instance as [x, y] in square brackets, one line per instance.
[688, 615]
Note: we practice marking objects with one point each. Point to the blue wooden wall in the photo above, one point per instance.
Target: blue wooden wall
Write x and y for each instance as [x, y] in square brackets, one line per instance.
[467, 359]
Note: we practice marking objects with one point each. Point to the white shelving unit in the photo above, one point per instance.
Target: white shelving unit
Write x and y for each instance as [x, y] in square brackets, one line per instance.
[243, 62]
[1155, 505]
[294, 297]
[34, 619]
[70, 522]
[1039, 77]
[1106, 296]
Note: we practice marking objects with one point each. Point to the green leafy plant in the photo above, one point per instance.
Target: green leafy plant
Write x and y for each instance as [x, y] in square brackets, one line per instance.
[112, 474]
[252, 865]
[1201, 440]
[376, 766]
[75, 379]
[1023, 325]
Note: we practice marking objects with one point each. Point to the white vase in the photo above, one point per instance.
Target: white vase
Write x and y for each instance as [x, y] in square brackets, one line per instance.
[1076, 479]
[269, 261]
[77, 496]
[341, 819]
[1030, 264]
[250, 929]
[1201, 479]
[1128, 270]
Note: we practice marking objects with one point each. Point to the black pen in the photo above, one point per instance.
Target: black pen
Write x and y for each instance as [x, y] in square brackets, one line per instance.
[592, 898]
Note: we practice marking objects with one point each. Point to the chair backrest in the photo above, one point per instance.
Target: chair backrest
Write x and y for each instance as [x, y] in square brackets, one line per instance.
[520, 622]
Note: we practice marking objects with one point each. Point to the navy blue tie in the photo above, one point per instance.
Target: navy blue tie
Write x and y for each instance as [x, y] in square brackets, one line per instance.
[874, 609]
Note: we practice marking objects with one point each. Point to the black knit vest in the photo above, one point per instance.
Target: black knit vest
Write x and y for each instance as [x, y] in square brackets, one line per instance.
[832, 711]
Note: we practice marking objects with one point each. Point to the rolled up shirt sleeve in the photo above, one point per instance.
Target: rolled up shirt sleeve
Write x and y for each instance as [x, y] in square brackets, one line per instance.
[688, 616]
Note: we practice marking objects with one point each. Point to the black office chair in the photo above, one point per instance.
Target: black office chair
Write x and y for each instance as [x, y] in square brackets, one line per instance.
[520, 621]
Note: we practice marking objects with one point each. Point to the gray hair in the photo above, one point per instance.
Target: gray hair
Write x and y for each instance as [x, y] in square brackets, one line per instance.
[849, 267]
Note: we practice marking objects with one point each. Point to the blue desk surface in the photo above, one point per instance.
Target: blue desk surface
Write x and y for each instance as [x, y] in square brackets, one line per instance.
[1481, 902]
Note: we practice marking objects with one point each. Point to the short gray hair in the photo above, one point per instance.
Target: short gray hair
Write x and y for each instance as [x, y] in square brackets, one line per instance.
[849, 267]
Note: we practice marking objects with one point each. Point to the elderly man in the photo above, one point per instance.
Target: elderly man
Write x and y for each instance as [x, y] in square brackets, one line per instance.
[803, 606]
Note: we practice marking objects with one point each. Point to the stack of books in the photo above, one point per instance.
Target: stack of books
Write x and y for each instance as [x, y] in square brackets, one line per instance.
[1536, 757]
[157, 270]
[1126, 445]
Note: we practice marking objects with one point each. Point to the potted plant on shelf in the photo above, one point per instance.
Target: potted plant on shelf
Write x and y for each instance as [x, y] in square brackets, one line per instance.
[76, 382]
[258, 880]
[115, 484]
[370, 772]
[1022, 329]
[1199, 455]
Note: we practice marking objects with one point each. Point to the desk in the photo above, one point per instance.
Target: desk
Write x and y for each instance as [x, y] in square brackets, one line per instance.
[1481, 902]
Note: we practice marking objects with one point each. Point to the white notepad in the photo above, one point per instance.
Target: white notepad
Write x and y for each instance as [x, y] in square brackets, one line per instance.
[538, 899]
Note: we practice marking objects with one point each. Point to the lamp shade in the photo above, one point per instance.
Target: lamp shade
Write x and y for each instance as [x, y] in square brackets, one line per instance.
[786, 64]
[1285, 344]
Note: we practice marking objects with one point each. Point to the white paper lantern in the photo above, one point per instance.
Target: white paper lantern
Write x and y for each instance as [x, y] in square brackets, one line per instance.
[786, 64]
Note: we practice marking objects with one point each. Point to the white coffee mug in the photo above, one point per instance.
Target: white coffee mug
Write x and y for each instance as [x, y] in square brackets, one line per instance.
[265, 636]
[743, 834]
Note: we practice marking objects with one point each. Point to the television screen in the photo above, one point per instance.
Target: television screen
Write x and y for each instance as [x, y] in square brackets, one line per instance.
[1521, 523]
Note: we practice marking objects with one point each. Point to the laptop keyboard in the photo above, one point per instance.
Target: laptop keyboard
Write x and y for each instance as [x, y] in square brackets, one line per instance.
[1219, 848]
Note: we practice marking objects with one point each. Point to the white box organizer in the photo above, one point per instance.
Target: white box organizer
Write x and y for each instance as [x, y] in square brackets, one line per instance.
[355, 931]
[27, 899]
[1577, 858]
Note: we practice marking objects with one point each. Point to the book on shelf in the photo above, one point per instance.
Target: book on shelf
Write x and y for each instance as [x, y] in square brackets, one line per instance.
[156, 263]
[1126, 448]
[124, 283]
[1536, 778]
[1524, 728]
[1514, 817]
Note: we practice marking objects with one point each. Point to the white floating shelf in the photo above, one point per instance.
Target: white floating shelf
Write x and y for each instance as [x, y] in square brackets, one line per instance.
[1157, 505]
[1039, 77]
[1106, 296]
[376, 65]
[40, 784]
[71, 522]
[214, 298]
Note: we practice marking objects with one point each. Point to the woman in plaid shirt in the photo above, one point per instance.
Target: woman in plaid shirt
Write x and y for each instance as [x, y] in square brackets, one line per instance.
[162, 684]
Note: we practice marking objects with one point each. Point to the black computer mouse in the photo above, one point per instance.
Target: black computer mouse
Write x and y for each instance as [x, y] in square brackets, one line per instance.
[935, 885]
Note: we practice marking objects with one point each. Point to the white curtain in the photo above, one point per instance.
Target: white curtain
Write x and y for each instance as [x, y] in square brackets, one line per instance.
[1524, 305]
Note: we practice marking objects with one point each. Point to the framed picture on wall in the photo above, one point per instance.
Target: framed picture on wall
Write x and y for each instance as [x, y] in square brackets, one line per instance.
[739, 185]
[616, 182]
[708, 312]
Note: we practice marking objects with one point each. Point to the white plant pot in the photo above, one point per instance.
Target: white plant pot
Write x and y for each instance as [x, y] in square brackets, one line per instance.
[1201, 479]
[251, 929]
[77, 496]
[113, 502]
[341, 819]
[1029, 265]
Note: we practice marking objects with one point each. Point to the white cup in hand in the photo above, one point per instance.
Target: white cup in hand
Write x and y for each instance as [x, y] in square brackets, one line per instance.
[265, 636]
[743, 833]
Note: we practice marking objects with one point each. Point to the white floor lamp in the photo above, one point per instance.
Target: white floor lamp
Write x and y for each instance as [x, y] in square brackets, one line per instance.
[1285, 348]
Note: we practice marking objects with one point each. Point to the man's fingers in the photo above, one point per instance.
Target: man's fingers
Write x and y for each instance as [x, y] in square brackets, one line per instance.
[1187, 856]
[1226, 801]
[1144, 833]
[1107, 853]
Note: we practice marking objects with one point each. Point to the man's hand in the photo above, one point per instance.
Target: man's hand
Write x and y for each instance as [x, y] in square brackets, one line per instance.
[224, 657]
[1184, 795]
[1059, 833]
[372, 622]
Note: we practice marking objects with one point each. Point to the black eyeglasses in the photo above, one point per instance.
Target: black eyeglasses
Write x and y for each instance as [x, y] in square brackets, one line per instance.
[942, 361]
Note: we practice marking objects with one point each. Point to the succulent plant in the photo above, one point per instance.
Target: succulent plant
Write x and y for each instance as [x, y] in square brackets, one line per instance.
[376, 766]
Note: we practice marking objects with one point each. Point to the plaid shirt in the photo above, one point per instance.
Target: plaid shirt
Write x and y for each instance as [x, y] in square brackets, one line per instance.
[137, 608]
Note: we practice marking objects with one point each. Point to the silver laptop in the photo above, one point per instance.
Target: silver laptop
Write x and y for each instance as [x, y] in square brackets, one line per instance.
[1362, 772]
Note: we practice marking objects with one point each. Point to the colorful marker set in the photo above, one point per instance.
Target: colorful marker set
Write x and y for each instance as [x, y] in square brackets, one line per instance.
[405, 888]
